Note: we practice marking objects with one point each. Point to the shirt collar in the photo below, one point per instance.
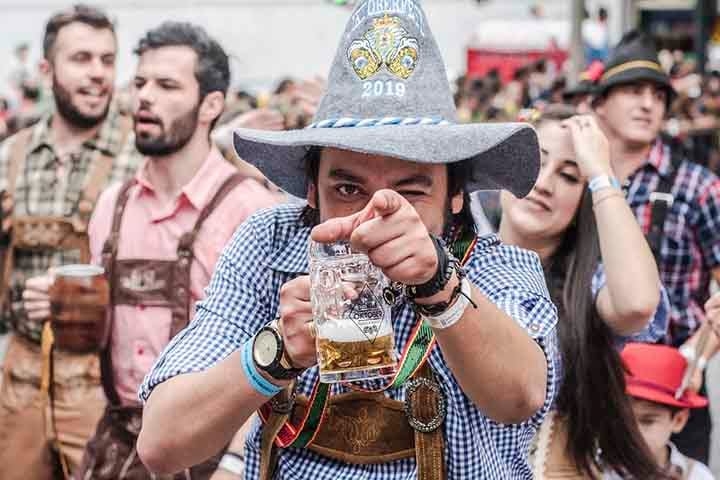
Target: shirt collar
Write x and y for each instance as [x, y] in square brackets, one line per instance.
[659, 158]
[107, 139]
[201, 188]
[41, 134]
[292, 256]
[677, 459]
[204, 184]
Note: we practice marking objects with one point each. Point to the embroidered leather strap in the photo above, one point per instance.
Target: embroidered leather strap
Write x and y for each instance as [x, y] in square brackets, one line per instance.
[429, 445]
[185, 255]
[18, 153]
[375, 429]
[109, 255]
[301, 434]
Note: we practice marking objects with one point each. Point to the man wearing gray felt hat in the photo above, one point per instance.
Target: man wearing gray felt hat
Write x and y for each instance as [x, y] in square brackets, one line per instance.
[384, 167]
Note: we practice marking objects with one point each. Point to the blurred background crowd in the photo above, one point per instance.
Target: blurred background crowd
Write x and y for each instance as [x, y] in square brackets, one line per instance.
[498, 76]
[515, 58]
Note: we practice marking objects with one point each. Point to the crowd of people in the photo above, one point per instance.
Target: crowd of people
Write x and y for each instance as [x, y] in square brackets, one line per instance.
[550, 247]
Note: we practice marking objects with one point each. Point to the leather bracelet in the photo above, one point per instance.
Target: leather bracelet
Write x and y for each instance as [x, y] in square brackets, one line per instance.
[439, 308]
[442, 276]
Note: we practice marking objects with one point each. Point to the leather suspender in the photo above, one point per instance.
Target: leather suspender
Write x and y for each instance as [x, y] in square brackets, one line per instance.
[95, 180]
[187, 240]
[18, 152]
[180, 305]
[661, 200]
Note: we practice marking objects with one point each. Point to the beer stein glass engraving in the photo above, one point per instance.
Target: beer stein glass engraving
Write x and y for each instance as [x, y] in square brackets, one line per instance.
[355, 339]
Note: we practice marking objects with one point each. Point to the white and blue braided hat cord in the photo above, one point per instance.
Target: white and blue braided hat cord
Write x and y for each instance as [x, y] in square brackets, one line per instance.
[377, 122]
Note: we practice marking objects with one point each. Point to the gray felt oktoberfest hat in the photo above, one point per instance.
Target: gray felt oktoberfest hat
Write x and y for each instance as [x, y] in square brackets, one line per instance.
[388, 94]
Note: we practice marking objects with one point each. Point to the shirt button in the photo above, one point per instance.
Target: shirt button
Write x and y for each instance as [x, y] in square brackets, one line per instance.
[140, 351]
[535, 327]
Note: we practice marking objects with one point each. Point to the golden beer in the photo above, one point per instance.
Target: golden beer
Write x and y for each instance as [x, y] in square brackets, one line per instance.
[350, 356]
[355, 339]
[78, 303]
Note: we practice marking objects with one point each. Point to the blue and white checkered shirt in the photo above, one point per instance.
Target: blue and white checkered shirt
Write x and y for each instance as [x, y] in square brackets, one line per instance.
[271, 249]
[657, 325]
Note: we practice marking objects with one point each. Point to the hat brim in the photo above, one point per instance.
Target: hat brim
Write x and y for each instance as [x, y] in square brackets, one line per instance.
[688, 400]
[580, 89]
[635, 75]
[502, 155]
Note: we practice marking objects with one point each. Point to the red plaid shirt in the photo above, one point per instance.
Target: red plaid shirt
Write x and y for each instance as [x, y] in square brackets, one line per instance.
[690, 247]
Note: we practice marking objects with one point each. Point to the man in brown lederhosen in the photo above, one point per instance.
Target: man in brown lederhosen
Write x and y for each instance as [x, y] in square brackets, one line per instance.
[50, 177]
[159, 234]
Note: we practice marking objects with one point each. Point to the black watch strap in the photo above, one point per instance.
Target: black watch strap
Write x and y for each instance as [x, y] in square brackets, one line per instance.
[276, 370]
[442, 275]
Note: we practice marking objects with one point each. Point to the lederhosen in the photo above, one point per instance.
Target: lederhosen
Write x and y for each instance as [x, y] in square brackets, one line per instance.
[111, 454]
[375, 429]
[49, 233]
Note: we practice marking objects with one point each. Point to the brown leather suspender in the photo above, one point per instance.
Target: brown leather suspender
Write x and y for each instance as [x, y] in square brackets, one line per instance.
[49, 232]
[164, 283]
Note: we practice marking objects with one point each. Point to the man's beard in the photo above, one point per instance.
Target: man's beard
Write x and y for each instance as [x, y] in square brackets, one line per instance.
[71, 114]
[171, 140]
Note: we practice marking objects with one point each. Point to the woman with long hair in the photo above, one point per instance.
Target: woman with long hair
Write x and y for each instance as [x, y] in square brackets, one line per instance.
[602, 276]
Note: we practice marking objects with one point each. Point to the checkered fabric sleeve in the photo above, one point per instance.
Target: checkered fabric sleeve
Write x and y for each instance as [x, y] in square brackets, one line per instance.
[657, 325]
[708, 222]
[514, 281]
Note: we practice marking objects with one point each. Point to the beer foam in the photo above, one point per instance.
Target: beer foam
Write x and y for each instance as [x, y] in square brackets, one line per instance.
[348, 331]
[79, 270]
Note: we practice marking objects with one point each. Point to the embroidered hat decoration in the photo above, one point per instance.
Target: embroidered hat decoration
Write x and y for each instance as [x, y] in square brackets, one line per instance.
[388, 94]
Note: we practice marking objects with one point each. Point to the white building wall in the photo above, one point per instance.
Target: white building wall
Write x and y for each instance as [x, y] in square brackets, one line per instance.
[267, 39]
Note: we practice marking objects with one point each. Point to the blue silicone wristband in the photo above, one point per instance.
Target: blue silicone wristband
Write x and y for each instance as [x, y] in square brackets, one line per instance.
[257, 381]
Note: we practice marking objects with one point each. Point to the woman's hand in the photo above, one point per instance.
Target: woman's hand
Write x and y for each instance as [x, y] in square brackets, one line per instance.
[592, 150]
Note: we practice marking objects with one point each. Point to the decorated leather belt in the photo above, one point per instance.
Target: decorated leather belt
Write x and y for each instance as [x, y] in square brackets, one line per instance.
[48, 233]
[375, 429]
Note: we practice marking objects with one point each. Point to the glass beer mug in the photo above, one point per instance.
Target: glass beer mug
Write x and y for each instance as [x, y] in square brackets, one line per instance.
[355, 338]
[79, 299]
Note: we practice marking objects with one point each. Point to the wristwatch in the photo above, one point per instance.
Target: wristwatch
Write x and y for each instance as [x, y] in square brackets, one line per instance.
[269, 351]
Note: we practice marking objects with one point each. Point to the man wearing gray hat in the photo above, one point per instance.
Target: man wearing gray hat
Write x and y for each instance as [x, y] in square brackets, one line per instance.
[384, 167]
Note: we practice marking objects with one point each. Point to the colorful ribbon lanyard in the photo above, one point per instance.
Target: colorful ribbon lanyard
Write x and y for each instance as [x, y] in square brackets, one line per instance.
[417, 350]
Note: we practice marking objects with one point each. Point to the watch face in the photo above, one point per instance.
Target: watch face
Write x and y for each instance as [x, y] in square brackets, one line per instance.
[265, 348]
